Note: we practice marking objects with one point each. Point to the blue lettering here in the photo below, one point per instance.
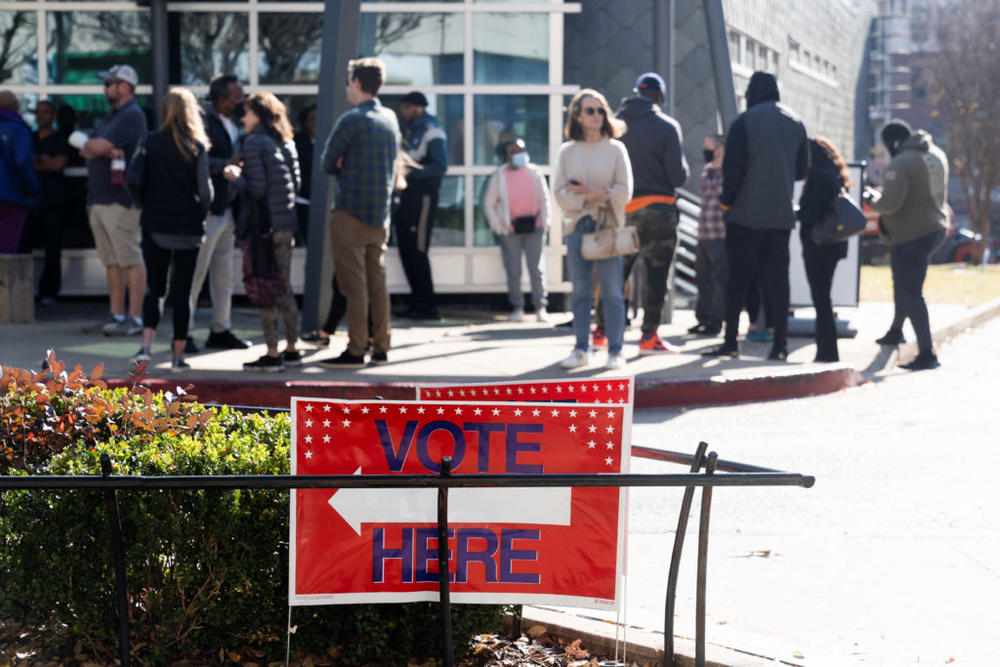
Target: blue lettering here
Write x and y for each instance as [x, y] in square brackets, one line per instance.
[508, 554]
[381, 553]
[465, 555]
[425, 555]
[395, 456]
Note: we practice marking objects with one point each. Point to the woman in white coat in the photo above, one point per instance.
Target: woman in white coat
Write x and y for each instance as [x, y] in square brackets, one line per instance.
[516, 205]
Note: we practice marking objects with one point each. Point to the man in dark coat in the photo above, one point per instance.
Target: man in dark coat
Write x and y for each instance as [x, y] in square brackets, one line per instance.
[766, 152]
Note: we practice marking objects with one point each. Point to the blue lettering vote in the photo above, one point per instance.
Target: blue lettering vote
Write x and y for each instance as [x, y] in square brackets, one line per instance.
[396, 454]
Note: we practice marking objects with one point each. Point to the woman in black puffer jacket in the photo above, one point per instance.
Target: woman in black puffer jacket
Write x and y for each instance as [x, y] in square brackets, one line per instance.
[826, 178]
[169, 176]
[269, 171]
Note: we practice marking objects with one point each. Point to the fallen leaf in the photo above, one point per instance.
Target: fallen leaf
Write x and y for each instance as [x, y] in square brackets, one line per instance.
[536, 631]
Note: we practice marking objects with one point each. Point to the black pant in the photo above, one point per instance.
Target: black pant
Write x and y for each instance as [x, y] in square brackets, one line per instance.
[413, 222]
[821, 262]
[338, 307]
[761, 252]
[158, 261]
[909, 269]
[50, 221]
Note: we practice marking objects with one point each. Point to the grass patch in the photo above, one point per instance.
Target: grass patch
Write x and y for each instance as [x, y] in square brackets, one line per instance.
[946, 283]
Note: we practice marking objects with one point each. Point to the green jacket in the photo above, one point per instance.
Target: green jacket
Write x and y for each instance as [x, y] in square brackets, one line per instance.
[914, 191]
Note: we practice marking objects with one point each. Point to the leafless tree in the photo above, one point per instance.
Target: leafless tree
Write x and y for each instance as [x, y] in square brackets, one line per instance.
[17, 41]
[965, 78]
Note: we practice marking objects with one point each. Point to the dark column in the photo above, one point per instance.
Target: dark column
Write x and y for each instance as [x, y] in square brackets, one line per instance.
[663, 43]
[159, 46]
[341, 25]
[719, 48]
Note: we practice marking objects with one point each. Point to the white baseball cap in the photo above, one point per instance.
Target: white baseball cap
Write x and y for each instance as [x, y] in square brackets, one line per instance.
[120, 73]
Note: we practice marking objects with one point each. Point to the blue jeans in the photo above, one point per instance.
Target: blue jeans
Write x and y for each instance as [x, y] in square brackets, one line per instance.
[609, 273]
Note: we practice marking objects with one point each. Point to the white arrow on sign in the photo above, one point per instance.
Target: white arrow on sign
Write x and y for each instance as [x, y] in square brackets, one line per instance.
[548, 506]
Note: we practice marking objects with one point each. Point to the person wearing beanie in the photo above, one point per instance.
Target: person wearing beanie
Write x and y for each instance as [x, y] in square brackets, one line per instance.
[655, 150]
[914, 220]
[766, 152]
[413, 220]
[18, 182]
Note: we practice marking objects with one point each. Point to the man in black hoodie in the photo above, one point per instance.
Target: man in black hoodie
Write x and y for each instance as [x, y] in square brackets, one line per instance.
[766, 152]
[656, 153]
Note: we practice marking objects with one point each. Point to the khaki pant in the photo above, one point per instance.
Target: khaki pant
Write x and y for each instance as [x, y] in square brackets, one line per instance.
[359, 258]
[117, 234]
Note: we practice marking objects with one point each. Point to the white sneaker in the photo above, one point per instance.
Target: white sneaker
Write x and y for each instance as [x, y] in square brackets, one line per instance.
[543, 315]
[517, 315]
[576, 360]
[615, 362]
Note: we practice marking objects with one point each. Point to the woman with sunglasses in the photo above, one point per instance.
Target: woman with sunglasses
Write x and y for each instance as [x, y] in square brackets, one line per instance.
[592, 183]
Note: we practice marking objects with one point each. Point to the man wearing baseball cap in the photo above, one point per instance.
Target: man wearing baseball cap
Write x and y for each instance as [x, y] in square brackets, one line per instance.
[655, 150]
[413, 219]
[114, 218]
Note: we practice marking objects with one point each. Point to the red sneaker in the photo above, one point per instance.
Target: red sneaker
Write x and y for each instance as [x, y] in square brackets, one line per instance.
[598, 339]
[651, 343]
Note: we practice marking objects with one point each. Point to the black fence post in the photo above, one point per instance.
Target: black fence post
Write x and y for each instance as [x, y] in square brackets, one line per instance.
[443, 573]
[675, 561]
[706, 509]
[118, 550]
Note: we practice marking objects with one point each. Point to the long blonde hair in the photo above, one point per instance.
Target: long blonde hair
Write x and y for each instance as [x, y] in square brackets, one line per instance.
[182, 117]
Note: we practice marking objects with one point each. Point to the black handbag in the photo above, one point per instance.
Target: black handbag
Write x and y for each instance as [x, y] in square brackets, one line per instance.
[842, 221]
[524, 224]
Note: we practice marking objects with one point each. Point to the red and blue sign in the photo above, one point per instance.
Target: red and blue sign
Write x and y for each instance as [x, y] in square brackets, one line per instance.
[505, 545]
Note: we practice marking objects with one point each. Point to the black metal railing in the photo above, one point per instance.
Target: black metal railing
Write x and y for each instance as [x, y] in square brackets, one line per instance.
[736, 474]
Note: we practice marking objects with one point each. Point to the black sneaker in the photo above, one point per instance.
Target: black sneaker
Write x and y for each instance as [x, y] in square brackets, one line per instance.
[291, 358]
[225, 340]
[891, 337]
[724, 350]
[778, 354]
[189, 346]
[345, 360]
[379, 359]
[179, 366]
[922, 362]
[313, 338]
[265, 364]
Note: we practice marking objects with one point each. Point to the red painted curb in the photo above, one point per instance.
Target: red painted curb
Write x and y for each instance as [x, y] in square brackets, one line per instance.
[649, 393]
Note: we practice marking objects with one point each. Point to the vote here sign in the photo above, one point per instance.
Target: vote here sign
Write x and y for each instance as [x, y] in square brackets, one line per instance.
[594, 390]
[505, 545]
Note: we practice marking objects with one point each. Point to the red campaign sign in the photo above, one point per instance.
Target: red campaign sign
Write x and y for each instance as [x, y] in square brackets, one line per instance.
[505, 545]
[594, 390]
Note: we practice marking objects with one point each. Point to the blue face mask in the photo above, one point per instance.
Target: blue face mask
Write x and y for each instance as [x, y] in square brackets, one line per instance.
[519, 160]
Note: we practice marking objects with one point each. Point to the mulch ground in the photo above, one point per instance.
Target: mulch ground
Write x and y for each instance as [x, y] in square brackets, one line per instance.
[48, 647]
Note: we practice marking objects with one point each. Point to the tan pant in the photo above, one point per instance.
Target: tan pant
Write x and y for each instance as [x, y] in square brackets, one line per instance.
[359, 258]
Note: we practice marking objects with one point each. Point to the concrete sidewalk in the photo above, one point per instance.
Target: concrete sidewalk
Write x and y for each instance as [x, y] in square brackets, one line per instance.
[475, 346]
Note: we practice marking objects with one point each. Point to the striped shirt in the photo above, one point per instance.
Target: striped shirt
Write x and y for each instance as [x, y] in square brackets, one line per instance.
[710, 222]
[367, 138]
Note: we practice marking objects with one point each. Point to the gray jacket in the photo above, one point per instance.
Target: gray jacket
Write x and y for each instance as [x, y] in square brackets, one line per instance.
[271, 171]
[655, 148]
[766, 152]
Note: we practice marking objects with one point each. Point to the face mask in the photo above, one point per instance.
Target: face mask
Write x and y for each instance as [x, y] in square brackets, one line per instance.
[709, 155]
[519, 160]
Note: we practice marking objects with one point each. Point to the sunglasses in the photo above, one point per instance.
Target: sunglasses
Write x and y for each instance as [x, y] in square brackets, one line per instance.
[111, 82]
[590, 111]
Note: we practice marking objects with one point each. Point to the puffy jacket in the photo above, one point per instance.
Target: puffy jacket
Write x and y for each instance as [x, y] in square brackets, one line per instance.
[914, 191]
[655, 148]
[427, 144]
[18, 182]
[218, 157]
[271, 171]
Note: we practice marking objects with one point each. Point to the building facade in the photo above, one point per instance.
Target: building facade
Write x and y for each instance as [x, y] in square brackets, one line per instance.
[491, 70]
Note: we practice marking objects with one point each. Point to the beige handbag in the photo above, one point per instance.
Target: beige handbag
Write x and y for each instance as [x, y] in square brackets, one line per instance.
[607, 241]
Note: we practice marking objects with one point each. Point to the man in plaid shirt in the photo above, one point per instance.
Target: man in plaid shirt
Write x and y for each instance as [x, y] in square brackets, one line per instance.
[361, 153]
[710, 256]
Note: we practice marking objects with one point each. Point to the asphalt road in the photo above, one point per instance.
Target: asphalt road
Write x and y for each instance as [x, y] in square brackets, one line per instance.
[893, 558]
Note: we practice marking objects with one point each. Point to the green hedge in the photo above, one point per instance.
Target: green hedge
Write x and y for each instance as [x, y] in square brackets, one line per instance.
[207, 569]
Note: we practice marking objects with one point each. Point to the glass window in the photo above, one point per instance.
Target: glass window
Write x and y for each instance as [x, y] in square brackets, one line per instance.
[92, 108]
[211, 44]
[449, 226]
[511, 48]
[482, 235]
[81, 44]
[290, 46]
[417, 49]
[18, 47]
[502, 117]
[449, 112]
